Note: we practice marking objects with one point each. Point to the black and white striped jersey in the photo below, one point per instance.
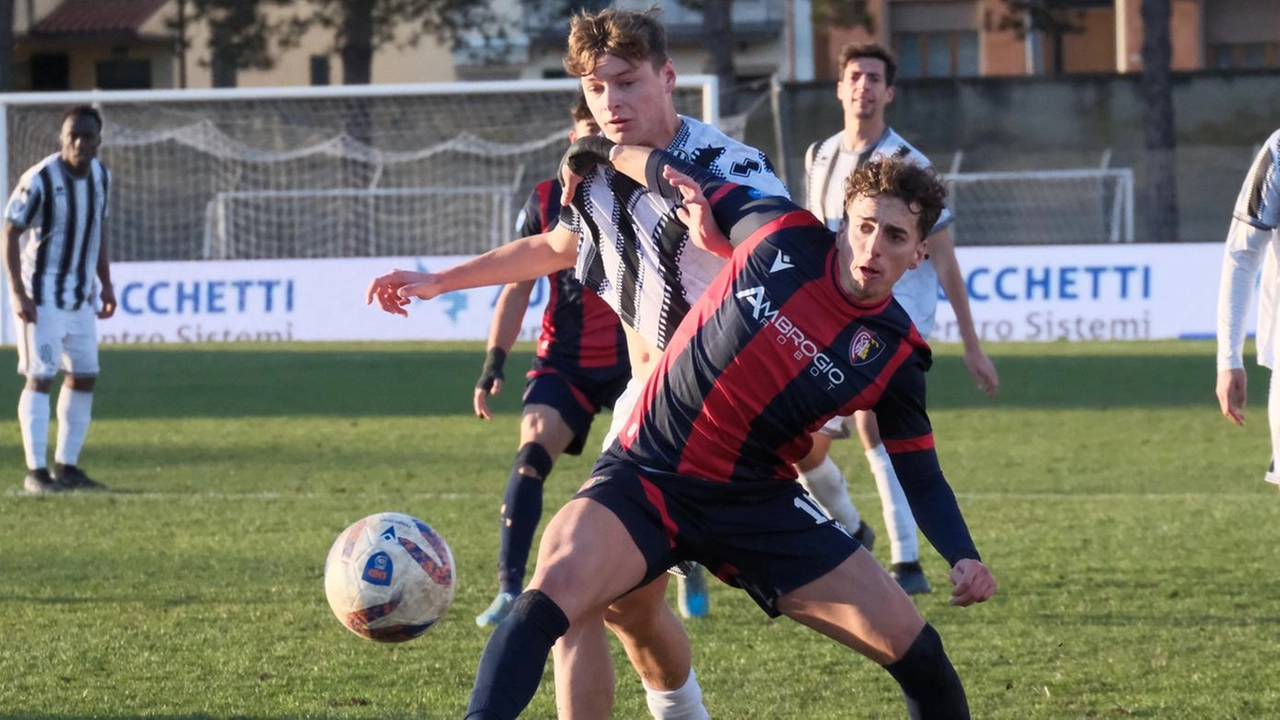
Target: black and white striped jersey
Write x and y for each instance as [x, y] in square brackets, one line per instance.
[635, 253]
[63, 216]
[1259, 201]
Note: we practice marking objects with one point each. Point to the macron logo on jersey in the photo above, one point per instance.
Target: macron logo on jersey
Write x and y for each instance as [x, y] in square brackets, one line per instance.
[780, 262]
[801, 347]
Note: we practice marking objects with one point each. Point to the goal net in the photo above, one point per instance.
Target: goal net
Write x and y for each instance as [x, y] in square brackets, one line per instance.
[1042, 207]
[430, 169]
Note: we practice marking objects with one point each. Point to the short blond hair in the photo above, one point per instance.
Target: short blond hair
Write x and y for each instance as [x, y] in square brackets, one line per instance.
[631, 35]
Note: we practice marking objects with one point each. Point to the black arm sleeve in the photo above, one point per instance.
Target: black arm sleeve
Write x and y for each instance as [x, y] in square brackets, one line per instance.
[739, 210]
[908, 436]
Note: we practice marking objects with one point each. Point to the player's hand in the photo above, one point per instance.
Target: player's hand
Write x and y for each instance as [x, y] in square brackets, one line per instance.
[25, 306]
[397, 289]
[583, 155]
[108, 301]
[490, 382]
[973, 583]
[695, 213]
[1231, 393]
[982, 371]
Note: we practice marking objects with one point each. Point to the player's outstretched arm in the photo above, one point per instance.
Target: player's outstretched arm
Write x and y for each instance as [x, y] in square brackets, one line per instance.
[508, 315]
[908, 436]
[942, 251]
[524, 259]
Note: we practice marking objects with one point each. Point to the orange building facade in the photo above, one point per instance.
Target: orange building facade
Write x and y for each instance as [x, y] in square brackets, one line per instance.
[962, 38]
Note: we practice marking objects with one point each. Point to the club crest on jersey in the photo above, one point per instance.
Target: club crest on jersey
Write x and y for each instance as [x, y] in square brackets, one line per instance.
[865, 347]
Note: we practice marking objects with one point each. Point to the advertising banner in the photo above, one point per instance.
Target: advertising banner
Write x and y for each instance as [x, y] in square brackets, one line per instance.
[1088, 292]
[280, 300]
[1082, 292]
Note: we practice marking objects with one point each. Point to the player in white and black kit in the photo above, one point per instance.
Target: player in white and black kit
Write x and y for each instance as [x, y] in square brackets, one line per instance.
[634, 248]
[865, 88]
[1252, 244]
[57, 260]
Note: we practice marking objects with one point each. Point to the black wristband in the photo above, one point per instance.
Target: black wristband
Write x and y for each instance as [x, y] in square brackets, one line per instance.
[586, 153]
[492, 370]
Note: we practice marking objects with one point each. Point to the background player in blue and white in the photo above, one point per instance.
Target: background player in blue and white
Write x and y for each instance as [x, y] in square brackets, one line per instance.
[632, 248]
[58, 268]
[1252, 244]
[703, 470]
[865, 88]
[580, 369]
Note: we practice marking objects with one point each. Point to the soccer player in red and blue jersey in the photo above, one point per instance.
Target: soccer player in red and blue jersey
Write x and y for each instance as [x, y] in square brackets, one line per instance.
[800, 326]
[581, 367]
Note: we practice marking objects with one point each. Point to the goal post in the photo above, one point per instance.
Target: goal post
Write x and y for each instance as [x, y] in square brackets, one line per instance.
[332, 171]
[173, 151]
[1042, 207]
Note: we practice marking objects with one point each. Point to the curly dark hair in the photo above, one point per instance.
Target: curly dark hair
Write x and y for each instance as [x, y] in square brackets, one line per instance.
[918, 187]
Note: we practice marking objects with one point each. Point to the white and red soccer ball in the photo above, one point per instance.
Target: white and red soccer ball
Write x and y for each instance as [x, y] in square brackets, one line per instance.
[389, 577]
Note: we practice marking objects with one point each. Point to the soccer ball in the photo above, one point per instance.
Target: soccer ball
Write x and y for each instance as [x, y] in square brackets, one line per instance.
[389, 577]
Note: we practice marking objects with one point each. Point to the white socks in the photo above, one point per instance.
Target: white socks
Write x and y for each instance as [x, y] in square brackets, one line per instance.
[898, 520]
[827, 485]
[33, 418]
[683, 703]
[74, 412]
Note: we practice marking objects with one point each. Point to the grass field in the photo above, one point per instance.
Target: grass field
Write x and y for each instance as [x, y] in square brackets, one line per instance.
[1134, 541]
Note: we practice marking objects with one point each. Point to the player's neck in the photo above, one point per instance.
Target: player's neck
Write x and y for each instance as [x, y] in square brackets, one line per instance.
[75, 172]
[860, 134]
[667, 131]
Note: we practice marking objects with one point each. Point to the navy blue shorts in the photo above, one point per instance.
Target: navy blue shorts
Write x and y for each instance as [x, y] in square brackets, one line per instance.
[578, 397]
[766, 537]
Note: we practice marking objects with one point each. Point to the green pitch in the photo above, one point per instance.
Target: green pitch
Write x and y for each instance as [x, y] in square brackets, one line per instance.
[1126, 521]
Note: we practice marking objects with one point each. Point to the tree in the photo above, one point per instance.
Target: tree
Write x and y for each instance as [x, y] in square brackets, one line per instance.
[251, 32]
[717, 41]
[6, 45]
[240, 34]
[1161, 137]
[1047, 17]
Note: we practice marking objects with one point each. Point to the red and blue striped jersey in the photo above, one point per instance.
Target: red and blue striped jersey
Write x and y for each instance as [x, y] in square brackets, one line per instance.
[579, 330]
[774, 349]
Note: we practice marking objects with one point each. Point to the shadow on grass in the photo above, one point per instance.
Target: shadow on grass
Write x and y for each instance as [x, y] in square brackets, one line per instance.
[412, 382]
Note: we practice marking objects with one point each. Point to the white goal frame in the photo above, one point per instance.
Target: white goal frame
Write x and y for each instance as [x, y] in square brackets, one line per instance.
[1121, 228]
[708, 84]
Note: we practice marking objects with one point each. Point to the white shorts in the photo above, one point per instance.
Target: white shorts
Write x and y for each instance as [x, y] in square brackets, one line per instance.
[65, 340]
[622, 408]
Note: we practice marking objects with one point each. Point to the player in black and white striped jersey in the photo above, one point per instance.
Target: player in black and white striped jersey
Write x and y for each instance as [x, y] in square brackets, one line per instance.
[59, 269]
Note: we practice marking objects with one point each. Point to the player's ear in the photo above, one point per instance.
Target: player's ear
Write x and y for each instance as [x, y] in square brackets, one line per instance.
[668, 75]
[573, 136]
[921, 254]
[888, 95]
